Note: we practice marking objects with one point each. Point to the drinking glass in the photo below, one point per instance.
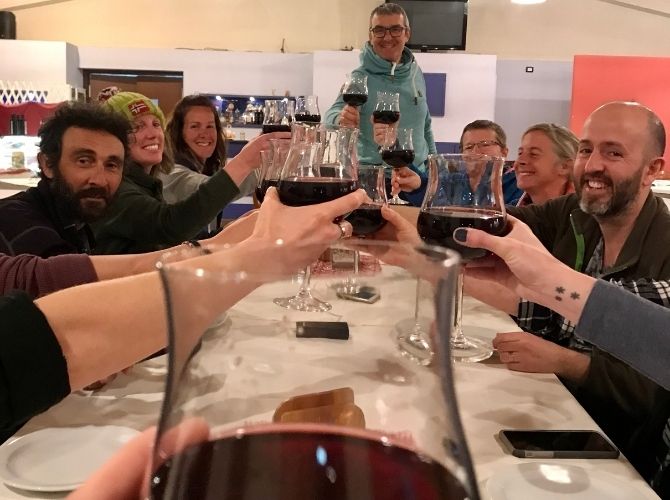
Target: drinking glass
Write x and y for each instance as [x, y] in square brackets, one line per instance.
[366, 219]
[266, 406]
[387, 108]
[272, 161]
[398, 152]
[315, 173]
[307, 109]
[277, 116]
[463, 191]
[355, 89]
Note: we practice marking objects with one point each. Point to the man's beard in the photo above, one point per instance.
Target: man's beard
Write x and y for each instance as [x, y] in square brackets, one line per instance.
[623, 195]
[78, 203]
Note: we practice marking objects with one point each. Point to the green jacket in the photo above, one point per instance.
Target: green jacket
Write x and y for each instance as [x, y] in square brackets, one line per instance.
[405, 78]
[138, 219]
[629, 407]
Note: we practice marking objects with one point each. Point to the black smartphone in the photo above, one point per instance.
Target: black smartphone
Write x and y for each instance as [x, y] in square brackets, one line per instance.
[366, 294]
[557, 444]
[337, 330]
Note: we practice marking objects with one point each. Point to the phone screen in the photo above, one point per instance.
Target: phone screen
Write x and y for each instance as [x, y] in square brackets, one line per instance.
[558, 441]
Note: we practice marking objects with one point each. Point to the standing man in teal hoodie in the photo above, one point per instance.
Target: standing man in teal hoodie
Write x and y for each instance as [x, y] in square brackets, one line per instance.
[390, 67]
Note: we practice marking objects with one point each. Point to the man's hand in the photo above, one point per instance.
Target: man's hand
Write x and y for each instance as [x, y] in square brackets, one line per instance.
[350, 117]
[404, 179]
[384, 134]
[525, 352]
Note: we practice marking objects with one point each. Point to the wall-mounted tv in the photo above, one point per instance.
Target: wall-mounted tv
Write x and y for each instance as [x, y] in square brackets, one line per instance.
[436, 24]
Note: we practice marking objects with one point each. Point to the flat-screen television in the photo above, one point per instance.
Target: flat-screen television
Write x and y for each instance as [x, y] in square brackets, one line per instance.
[436, 24]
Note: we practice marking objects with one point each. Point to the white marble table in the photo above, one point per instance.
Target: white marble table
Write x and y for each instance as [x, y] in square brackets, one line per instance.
[490, 396]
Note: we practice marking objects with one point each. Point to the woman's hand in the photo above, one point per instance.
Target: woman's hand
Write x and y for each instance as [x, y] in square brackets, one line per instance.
[523, 266]
[249, 158]
[298, 235]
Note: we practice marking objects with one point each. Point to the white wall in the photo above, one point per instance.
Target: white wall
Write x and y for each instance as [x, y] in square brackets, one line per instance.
[554, 30]
[470, 92]
[54, 63]
[524, 99]
[213, 71]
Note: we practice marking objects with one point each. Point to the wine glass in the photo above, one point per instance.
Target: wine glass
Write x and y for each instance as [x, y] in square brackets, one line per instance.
[307, 109]
[366, 219]
[387, 108]
[277, 116]
[463, 191]
[316, 173]
[398, 152]
[272, 161]
[253, 409]
[355, 90]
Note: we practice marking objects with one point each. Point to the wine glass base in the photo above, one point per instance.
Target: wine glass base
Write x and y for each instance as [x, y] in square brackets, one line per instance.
[308, 304]
[397, 201]
[471, 350]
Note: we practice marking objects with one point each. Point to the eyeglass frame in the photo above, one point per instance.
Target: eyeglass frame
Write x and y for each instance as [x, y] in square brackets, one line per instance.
[480, 144]
[389, 30]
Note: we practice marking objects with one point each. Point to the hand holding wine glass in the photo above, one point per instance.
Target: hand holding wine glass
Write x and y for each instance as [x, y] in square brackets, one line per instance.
[398, 152]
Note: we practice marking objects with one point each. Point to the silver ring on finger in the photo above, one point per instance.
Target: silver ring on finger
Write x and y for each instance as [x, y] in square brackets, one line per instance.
[346, 229]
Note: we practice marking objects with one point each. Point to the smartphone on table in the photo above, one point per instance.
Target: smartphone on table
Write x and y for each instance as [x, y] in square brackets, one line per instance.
[557, 444]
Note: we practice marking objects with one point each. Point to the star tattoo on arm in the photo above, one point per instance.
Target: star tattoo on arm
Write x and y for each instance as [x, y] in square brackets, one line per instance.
[560, 291]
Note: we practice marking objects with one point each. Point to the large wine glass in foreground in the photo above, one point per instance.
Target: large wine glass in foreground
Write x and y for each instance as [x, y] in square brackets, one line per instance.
[299, 411]
[463, 191]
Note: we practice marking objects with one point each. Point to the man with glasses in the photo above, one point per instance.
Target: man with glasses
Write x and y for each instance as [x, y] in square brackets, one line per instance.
[390, 67]
[480, 136]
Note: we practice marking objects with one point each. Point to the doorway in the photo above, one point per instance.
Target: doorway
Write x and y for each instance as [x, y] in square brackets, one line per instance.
[165, 88]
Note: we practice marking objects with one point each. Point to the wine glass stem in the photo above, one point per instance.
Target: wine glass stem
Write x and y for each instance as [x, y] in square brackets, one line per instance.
[416, 331]
[458, 339]
[304, 286]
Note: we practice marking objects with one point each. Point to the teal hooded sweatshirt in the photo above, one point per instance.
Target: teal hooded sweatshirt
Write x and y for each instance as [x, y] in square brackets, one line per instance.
[405, 78]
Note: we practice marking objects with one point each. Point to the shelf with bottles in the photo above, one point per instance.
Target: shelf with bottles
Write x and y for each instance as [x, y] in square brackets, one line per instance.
[243, 111]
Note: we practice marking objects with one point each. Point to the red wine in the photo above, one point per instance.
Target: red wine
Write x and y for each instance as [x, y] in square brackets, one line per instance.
[302, 466]
[366, 219]
[304, 117]
[398, 157]
[436, 226]
[311, 190]
[275, 127]
[388, 117]
[265, 184]
[355, 99]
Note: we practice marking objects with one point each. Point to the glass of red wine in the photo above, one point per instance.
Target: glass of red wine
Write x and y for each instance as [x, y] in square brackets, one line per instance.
[355, 89]
[366, 219]
[316, 173]
[268, 406]
[398, 152]
[307, 109]
[463, 191]
[387, 108]
[277, 116]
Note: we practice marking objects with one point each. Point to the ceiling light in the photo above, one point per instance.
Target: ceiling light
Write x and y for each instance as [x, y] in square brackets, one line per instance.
[528, 2]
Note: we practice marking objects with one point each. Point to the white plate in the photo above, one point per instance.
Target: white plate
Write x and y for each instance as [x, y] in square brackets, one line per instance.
[553, 481]
[59, 459]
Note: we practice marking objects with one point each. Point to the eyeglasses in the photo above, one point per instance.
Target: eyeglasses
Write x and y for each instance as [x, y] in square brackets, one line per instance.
[380, 31]
[481, 144]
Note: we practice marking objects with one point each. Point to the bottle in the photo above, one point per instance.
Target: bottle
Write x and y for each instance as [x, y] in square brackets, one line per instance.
[21, 125]
[12, 125]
